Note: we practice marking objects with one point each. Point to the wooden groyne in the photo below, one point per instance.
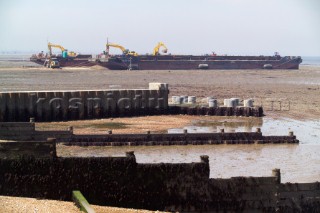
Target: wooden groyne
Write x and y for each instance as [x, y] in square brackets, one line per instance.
[80, 105]
[174, 187]
[185, 138]
[26, 132]
[46, 106]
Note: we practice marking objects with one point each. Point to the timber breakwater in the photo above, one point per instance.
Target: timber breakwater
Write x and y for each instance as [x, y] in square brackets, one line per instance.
[94, 104]
[121, 181]
[26, 132]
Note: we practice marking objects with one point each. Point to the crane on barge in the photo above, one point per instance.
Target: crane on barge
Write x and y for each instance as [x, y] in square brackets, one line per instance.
[157, 48]
[65, 52]
[124, 50]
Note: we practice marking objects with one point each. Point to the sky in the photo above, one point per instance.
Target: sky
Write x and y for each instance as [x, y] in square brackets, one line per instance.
[233, 27]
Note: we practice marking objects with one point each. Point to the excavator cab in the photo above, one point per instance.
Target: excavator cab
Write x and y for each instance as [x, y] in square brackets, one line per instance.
[54, 64]
[51, 63]
[67, 54]
[132, 53]
[72, 54]
[124, 50]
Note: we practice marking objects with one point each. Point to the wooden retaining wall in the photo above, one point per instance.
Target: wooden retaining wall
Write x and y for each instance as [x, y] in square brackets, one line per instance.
[37, 149]
[26, 132]
[179, 187]
[77, 105]
[178, 139]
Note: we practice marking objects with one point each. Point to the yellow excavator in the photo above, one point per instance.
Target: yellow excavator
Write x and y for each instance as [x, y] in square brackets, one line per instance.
[157, 48]
[65, 52]
[124, 50]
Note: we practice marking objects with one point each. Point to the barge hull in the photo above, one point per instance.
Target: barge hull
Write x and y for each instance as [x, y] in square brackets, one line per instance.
[211, 65]
[200, 62]
[79, 61]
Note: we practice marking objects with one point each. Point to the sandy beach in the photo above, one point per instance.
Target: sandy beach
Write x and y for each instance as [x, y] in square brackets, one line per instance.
[31, 205]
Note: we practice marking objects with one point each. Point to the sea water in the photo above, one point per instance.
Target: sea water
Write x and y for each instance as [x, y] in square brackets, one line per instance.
[311, 61]
[16, 61]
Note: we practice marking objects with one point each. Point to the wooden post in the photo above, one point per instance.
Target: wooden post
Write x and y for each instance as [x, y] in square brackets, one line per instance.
[276, 173]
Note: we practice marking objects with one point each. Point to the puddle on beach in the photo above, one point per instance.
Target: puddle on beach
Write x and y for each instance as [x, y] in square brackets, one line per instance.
[114, 86]
[215, 125]
[298, 162]
[308, 132]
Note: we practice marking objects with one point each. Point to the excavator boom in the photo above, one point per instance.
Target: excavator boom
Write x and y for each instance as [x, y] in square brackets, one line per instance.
[124, 50]
[157, 48]
[108, 45]
[50, 46]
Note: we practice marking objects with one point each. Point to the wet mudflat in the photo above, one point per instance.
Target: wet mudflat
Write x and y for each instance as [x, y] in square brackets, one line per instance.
[307, 131]
[298, 163]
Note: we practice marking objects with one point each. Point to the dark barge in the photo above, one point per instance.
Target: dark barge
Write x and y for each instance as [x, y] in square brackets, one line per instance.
[191, 62]
[78, 61]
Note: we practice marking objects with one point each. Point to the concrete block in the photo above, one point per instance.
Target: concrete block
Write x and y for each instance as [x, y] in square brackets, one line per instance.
[158, 86]
[213, 103]
[248, 103]
[192, 99]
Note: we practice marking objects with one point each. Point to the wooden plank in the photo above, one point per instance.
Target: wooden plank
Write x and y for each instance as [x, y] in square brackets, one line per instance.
[38, 149]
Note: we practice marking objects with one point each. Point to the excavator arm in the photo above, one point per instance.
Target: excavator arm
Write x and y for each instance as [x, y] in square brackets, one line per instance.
[124, 50]
[157, 48]
[50, 46]
[108, 45]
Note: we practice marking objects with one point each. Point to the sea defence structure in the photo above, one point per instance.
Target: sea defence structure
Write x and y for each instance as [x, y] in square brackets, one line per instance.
[23, 131]
[89, 104]
[216, 111]
[95, 104]
[122, 182]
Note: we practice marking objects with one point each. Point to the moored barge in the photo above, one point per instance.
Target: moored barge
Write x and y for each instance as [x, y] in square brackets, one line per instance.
[192, 62]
